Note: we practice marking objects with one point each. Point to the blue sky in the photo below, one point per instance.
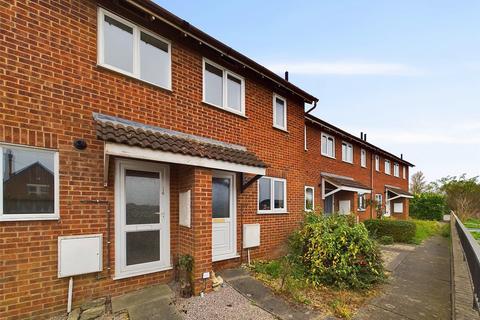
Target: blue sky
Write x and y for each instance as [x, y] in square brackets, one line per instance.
[405, 72]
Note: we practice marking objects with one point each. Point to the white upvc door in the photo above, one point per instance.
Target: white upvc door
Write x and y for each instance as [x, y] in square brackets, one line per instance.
[142, 218]
[224, 206]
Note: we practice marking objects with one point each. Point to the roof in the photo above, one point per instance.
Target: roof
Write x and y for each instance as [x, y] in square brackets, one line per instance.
[345, 182]
[399, 191]
[188, 30]
[118, 130]
[349, 136]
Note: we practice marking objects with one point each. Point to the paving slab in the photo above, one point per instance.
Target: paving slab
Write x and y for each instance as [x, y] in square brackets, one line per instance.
[148, 304]
[265, 298]
[419, 287]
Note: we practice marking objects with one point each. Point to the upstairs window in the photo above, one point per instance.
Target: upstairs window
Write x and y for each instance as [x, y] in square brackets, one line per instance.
[309, 198]
[222, 88]
[396, 169]
[377, 163]
[131, 50]
[328, 145]
[29, 188]
[387, 167]
[404, 172]
[347, 152]
[363, 158]
[272, 195]
[279, 112]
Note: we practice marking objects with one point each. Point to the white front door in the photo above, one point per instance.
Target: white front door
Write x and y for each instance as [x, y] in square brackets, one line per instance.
[344, 207]
[387, 208]
[142, 218]
[224, 206]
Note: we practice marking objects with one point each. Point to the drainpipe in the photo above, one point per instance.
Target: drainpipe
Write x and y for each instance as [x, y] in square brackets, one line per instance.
[312, 108]
[372, 163]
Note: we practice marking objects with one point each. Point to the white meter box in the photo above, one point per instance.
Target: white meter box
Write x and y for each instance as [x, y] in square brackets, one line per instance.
[251, 235]
[79, 254]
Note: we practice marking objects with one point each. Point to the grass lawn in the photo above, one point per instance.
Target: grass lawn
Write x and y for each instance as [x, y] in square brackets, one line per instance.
[427, 228]
[476, 235]
[342, 303]
[472, 223]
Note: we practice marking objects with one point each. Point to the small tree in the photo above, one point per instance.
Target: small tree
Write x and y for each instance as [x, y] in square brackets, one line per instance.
[462, 195]
[418, 184]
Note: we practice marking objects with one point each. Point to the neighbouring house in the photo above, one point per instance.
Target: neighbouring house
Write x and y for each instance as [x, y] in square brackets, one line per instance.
[122, 120]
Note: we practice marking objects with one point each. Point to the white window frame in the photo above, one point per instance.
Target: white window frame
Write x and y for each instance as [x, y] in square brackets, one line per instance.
[225, 74]
[363, 158]
[275, 125]
[389, 171]
[347, 145]
[404, 169]
[325, 152]
[136, 48]
[361, 195]
[377, 162]
[396, 169]
[379, 203]
[313, 198]
[55, 215]
[272, 193]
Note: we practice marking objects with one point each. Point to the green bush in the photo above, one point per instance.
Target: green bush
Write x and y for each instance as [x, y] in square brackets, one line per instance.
[399, 230]
[386, 240]
[428, 206]
[338, 252]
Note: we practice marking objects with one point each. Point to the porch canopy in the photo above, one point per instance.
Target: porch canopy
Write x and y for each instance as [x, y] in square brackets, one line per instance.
[124, 138]
[396, 193]
[332, 184]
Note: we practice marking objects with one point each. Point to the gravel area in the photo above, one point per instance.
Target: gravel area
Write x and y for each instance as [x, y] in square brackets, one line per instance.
[227, 303]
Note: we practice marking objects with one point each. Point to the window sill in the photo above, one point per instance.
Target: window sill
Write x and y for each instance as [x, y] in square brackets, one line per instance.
[327, 156]
[140, 273]
[272, 212]
[132, 77]
[361, 210]
[348, 162]
[284, 130]
[230, 111]
[3, 218]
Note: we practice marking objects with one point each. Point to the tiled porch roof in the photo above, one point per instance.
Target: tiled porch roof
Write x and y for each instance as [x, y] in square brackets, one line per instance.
[122, 131]
[345, 182]
[399, 191]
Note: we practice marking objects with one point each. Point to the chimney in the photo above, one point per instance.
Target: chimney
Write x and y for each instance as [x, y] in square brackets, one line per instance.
[365, 137]
[286, 75]
[361, 135]
[401, 156]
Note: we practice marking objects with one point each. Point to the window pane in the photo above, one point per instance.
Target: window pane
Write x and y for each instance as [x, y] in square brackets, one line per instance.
[264, 194]
[309, 199]
[28, 181]
[234, 93]
[143, 246]
[330, 147]
[344, 152]
[142, 196]
[213, 85]
[280, 112]
[279, 201]
[118, 44]
[324, 144]
[220, 198]
[154, 60]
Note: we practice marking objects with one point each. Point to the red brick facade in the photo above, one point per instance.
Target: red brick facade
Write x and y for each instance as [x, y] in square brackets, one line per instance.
[50, 86]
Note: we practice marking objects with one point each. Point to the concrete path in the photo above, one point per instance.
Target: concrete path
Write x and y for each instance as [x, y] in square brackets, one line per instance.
[148, 304]
[263, 297]
[419, 287]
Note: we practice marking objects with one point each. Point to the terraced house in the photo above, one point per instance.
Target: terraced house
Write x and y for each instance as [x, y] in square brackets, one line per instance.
[129, 137]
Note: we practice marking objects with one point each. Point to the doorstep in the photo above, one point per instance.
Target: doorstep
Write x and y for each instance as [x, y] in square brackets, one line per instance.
[149, 303]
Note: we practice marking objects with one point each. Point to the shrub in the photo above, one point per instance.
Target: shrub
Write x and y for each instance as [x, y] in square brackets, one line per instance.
[399, 230]
[386, 240]
[428, 206]
[338, 252]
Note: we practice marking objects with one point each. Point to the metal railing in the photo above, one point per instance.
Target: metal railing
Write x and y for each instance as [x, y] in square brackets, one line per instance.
[471, 250]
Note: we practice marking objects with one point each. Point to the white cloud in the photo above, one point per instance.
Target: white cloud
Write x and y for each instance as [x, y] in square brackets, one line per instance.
[345, 68]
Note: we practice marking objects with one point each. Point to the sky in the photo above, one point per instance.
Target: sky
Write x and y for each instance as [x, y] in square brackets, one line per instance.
[405, 72]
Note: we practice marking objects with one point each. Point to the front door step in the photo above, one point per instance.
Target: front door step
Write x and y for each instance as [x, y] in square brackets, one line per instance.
[150, 303]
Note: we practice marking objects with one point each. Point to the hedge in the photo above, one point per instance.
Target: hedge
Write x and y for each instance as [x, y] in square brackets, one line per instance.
[428, 206]
[399, 230]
